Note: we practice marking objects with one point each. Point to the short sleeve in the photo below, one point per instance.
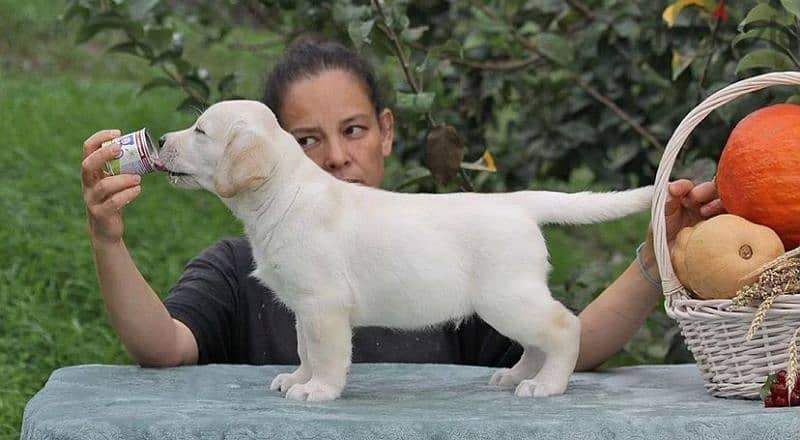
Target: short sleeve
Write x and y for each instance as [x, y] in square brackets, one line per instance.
[205, 299]
[484, 346]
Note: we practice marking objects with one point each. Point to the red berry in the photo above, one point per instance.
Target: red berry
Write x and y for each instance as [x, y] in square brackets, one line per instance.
[778, 389]
[782, 376]
[769, 402]
[781, 400]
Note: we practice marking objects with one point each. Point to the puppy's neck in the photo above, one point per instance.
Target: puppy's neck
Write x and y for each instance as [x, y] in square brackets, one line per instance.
[262, 209]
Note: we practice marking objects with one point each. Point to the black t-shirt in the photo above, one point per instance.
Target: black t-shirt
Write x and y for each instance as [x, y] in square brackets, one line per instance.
[235, 319]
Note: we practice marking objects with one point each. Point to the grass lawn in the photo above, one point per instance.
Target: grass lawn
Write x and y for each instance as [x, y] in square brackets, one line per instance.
[53, 95]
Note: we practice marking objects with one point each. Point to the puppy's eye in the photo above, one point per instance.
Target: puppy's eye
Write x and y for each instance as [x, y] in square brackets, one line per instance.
[199, 130]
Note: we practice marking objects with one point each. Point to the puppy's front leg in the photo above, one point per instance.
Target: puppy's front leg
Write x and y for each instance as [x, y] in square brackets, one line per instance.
[328, 341]
[302, 374]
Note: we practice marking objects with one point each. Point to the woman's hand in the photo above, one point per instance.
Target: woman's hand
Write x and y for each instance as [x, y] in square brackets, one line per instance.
[688, 204]
[105, 196]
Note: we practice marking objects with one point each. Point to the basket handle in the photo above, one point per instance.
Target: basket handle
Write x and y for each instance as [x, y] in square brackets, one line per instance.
[669, 281]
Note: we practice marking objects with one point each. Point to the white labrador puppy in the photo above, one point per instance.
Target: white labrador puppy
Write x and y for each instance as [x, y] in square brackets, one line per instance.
[342, 255]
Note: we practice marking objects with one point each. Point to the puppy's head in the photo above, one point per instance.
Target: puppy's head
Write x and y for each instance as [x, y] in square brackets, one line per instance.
[226, 151]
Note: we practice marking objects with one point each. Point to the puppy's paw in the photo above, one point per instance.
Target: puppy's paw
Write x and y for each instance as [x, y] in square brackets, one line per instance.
[538, 388]
[313, 391]
[504, 376]
[285, 381]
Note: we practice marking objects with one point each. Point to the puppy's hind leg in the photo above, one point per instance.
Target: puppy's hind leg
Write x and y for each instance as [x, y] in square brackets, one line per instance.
[525, 368]
[561, 343]
[328, 343]
[543, 323]
[302, 374]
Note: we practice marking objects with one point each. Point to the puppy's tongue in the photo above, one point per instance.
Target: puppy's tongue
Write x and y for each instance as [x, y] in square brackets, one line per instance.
[158, 165]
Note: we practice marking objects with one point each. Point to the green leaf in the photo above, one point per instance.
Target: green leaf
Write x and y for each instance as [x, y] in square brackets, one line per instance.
[764, 391]
[138, 9]
[792, 6]
[619, 155]
[555, 48]
[627, 28]
[227, 85]
[158, 82]
[182, 66]
[450, 46]
[410, 35]
[680, 62]
[577, 131]
[794, 99]
[359, 32]
[766, 13]
[159, 38]
[473, 40]
[197, 85]
[165, 57]
[191, 105]
[529, 28]
[75, 10]
[775, 35]
[96, 24]
[581, 177]
[129, 47]
[416, 102]
[348, 13]
[414, 175]
[767, 59]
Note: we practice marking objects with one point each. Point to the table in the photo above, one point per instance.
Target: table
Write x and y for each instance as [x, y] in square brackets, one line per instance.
[410, 401]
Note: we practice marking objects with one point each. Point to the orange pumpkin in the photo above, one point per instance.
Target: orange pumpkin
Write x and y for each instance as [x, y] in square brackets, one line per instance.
[758, 176]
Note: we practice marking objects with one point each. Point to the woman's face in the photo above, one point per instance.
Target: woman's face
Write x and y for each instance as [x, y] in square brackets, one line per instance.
[332, 118]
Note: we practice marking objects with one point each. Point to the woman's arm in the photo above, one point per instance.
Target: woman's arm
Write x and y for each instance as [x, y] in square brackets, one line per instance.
[609, 321]
[148, 332]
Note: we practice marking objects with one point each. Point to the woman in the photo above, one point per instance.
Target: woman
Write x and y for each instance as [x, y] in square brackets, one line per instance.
[326, 96]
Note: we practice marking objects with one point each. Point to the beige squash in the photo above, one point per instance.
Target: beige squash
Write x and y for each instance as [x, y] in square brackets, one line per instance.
[714, 258]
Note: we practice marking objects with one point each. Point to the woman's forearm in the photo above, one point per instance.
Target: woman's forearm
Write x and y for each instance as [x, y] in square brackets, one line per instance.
[610, 321]
[137, 314]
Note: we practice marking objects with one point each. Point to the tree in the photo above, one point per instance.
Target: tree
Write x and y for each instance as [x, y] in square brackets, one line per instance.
[568, 94]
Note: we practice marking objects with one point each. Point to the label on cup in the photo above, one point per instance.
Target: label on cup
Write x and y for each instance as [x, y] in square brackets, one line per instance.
[137, 154]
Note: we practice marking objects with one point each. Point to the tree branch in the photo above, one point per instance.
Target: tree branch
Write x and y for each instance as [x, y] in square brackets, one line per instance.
[619, 112]
[583, 9]
[398, 50]
[593, 92]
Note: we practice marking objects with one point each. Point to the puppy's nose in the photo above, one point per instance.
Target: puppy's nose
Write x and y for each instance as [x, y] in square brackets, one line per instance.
[161, 141]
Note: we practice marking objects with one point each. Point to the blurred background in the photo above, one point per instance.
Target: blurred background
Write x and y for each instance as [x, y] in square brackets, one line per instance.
[566, 95]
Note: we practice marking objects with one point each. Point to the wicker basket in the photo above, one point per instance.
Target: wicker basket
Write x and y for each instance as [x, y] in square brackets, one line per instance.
[715, 329]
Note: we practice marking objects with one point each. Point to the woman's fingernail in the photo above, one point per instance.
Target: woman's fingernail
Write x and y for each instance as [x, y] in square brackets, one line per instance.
[137, 178]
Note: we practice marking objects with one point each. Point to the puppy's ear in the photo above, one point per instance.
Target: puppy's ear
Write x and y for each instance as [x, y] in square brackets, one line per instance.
[243, 165]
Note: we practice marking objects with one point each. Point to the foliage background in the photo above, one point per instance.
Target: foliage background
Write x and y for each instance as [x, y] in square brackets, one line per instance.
[567, 95]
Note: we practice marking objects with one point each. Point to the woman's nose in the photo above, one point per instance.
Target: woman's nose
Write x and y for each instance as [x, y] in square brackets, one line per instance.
[337, 156]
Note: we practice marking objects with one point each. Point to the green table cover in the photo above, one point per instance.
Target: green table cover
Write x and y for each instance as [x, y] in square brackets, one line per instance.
[391, 401]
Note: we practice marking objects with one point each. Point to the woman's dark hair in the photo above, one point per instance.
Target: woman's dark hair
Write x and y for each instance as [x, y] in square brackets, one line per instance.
[309, 57]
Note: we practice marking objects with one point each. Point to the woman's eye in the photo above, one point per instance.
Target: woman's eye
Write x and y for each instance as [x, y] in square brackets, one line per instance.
[354, 130]
[199, 130]
[307, 141]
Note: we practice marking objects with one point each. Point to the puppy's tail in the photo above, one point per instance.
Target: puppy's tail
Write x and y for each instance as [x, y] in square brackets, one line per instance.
[587, 207]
